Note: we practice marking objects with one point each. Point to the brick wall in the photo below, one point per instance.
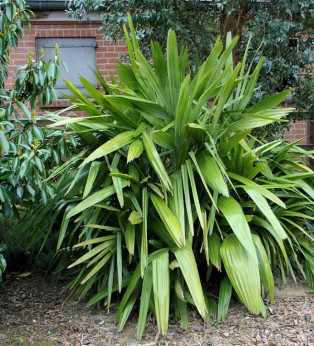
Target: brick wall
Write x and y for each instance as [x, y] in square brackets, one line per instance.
[298, 130]
[106, 52]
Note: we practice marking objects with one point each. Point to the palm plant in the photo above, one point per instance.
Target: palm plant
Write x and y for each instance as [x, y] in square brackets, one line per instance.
[170, 181]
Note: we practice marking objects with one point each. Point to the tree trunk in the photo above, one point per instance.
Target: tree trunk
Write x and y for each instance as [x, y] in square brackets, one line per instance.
[234, 21]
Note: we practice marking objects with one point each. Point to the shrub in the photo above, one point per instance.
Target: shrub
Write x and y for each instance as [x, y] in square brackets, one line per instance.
[29, 154]
[3, 263]
[18, 253]
[27, 151]
[170, 181]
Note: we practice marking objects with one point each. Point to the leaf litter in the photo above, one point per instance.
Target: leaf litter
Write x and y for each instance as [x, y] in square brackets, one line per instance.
[33, 311]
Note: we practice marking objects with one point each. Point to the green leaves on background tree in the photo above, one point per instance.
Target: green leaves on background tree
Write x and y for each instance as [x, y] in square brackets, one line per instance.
[3, 263]
[35, 80]
[176, 148]
[27, 151]
[14, 14]
[280, 30]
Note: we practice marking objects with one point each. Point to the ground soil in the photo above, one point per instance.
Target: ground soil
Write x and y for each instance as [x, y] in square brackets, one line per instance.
[33, 312]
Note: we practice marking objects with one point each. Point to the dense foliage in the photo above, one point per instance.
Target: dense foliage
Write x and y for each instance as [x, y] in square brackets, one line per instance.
[3, 263]
[153, 19]
[281, 30]
[26, 150]
[172, 195]
[170, 198]
[286, 30]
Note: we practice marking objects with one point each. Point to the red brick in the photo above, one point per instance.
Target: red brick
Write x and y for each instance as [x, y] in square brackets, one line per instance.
[66, 25]
[121, 49]
[299, 131]
[110, 66]
[18, 62]
[101, 66]
[112, 55]
[301, 126]
[83, 26]
[42, 26]
[23, 56]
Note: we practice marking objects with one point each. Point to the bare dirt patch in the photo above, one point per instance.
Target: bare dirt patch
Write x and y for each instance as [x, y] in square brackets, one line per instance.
[33, 312]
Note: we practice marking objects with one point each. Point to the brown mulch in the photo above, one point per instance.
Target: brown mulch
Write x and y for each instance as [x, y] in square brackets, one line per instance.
[33, 312]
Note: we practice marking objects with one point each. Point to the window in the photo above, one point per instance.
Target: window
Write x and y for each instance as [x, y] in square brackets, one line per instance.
[79, 54]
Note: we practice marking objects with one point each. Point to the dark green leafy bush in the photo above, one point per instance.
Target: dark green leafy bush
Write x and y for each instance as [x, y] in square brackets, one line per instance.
[19, 253]
[27, 152]
[3, 263]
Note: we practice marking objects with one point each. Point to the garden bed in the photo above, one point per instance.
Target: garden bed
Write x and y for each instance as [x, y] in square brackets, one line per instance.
[33, 311]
